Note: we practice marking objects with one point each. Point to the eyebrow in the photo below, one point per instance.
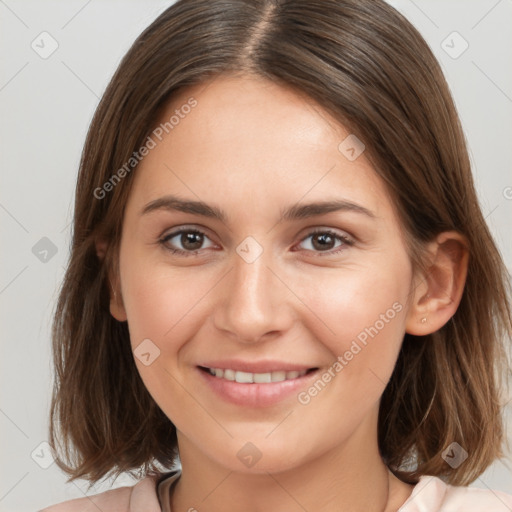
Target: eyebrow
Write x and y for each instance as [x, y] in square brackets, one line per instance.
[295, 212]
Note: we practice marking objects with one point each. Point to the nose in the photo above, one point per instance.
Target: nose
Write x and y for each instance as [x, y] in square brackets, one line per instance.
[256, 302]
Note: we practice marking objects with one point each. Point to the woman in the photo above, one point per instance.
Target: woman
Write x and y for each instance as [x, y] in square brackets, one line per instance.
[334, 336]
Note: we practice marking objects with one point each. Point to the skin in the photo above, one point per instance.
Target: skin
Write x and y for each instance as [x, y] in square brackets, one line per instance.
[253, 148]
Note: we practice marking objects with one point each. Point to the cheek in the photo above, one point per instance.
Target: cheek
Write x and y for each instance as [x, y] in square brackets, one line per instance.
[163, 306]
[360, 313]
[155, 307]
[365, 311]
[162, 303]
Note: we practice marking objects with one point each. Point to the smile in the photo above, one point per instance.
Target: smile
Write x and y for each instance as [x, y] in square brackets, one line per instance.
[255, 378]
[256, 389]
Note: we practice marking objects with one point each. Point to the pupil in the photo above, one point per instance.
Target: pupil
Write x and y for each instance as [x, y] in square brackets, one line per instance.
[188, 238]
[323, 237]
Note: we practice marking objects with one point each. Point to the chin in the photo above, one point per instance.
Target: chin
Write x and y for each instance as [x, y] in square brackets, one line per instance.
[259, 457]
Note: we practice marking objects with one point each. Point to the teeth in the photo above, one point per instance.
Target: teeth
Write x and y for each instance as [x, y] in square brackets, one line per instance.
[244, 377]
[278, 376]
[258, 378]
[262, 378]
[229, 374]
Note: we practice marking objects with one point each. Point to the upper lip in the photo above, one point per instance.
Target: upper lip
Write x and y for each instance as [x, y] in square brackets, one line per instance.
[256, 366]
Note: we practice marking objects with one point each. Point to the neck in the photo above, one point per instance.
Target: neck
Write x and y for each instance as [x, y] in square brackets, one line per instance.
[352, 477]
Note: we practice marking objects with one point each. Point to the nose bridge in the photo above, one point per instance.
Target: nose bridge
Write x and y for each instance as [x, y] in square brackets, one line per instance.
[255, 299]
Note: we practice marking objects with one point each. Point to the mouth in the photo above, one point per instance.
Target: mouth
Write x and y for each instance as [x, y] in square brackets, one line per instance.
[255, 378]
[256, 389]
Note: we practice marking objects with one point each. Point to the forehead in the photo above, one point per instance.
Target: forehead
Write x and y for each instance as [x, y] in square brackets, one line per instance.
[250, 141]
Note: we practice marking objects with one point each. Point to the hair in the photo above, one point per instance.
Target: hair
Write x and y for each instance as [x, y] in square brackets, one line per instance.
[371, 70]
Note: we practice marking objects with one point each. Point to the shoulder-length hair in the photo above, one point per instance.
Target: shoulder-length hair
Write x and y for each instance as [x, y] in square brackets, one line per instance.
[367, 66]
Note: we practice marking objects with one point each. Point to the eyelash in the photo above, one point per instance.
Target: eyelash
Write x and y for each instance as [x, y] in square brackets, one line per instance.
[345, 239]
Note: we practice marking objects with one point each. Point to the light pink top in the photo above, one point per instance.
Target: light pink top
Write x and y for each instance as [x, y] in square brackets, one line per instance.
[430, 494]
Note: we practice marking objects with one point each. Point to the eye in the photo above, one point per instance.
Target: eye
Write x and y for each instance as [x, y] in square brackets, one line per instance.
[324, 241]
[190, 239]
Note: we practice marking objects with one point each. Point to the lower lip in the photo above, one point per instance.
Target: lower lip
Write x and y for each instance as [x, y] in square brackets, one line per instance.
[255, 395]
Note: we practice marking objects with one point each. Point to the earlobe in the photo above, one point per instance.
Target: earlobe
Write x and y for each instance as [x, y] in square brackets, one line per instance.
[438, 293]
[101, 248]
[117, 309]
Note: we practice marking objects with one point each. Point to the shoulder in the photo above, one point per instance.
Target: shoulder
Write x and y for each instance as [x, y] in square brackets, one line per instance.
[431, 494]
[136, 498]
[468, 499]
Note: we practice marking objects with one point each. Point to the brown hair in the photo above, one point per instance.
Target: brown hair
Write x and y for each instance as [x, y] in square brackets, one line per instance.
[367, 66]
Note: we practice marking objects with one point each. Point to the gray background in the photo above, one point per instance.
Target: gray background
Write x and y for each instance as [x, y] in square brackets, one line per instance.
[46, 106]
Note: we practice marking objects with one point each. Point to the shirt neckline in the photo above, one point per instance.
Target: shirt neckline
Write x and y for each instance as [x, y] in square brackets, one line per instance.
[167, 481]
[164, 487]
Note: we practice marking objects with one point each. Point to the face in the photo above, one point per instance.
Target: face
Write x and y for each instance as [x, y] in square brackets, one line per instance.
[257, 286]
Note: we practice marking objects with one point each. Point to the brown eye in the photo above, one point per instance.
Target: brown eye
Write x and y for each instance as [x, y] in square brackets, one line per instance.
[327, 241]
[191, 240]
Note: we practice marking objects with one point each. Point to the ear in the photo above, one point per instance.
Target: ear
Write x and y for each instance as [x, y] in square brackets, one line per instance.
[438, 291]
[117, 309]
